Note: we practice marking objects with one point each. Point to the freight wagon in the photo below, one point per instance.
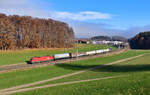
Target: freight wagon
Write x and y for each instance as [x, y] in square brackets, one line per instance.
[62, 56]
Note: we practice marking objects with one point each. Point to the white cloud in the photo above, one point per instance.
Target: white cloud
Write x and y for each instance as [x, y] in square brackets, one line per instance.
[13, 3]
[81, 16]
[30, 7]
[25, 12]
[85, 30]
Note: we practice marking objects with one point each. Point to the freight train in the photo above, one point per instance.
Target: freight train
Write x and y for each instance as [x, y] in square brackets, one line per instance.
[55, 57]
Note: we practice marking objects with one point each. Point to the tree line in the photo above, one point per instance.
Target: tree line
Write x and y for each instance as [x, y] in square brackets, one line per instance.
[19, 32]
[141, 41]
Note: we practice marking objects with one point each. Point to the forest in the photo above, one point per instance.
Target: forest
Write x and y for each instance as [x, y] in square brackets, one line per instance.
[20, 32]
[141, 41]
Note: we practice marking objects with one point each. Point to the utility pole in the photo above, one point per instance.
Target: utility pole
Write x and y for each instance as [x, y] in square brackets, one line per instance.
[77, 51]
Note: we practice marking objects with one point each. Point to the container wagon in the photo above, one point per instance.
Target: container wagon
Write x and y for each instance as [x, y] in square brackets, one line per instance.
[62, 56]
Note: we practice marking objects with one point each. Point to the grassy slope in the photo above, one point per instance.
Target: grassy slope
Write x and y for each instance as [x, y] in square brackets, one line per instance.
[129, 67]
[27, 76]
[14, 57]
[137, 83]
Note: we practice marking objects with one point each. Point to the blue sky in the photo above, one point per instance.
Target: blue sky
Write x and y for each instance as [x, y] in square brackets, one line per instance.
[102, 17]
[125, 13]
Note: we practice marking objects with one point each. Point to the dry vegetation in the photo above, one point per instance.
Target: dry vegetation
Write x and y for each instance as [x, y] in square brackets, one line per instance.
[26, 32]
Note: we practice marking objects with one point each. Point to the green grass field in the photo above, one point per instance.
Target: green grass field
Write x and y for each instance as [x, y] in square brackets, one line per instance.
[135, 83]
[21, 56]
[28, 76]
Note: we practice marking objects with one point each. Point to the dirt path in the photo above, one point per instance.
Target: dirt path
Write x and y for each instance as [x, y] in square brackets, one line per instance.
[67, 75]
[60, 84]
[14, 67]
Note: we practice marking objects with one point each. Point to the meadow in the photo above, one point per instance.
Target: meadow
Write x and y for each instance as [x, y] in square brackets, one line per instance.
[21, 56]
[136, 82]
[32, 75]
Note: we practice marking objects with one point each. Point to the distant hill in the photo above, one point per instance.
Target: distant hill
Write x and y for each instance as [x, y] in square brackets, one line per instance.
[119, 38]
[141, 41]
[107, 38]
[101, 38]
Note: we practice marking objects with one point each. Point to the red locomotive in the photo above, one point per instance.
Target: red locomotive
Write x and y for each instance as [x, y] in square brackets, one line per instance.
[41, 59]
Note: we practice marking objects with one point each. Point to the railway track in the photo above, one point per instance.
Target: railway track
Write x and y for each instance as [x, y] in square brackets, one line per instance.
[14, 67]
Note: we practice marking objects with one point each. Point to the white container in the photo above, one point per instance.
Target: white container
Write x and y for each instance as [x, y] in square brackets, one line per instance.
[99, 51]
[91, 52]
[60, 56]
[82, 55]
[106, 50]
